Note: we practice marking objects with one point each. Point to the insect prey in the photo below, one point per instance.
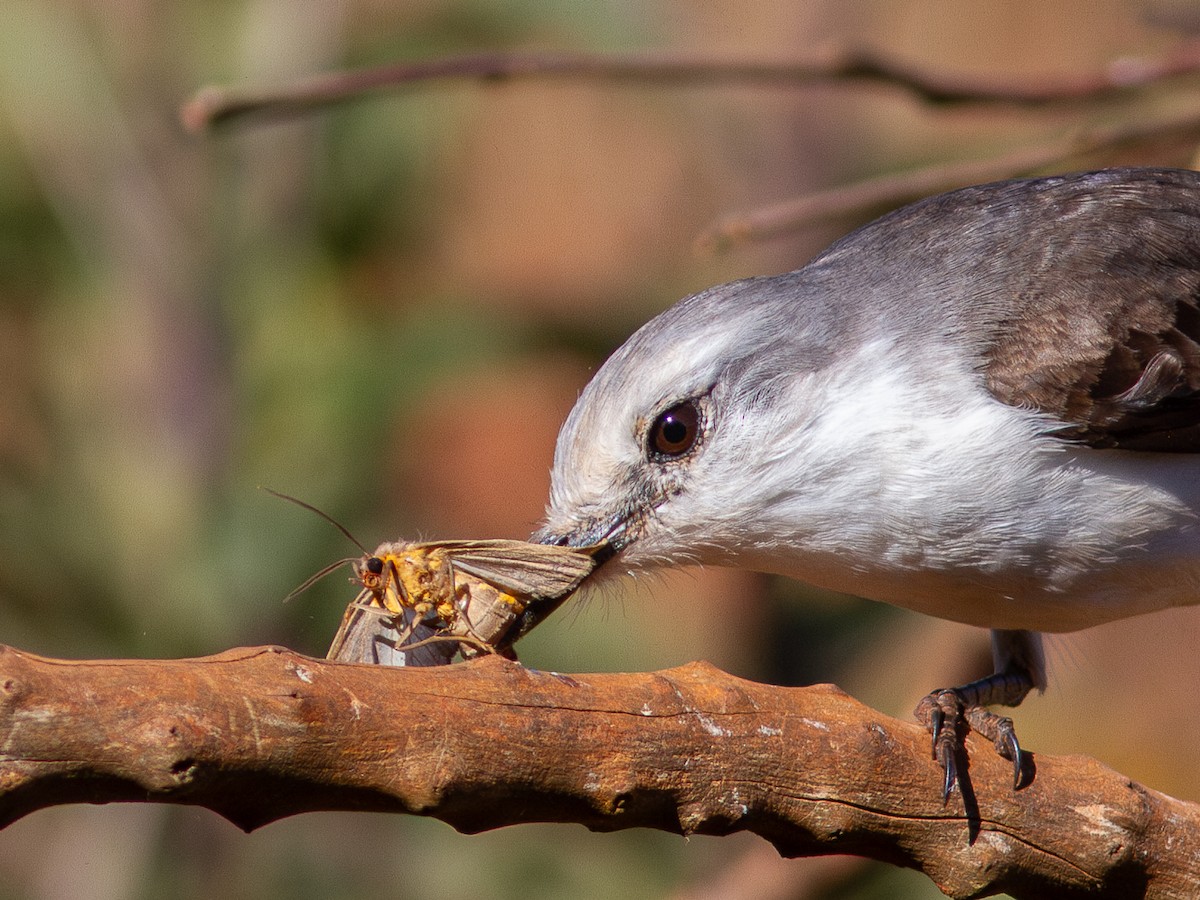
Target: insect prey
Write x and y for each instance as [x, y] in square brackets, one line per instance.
[469, 594]
[420, 603]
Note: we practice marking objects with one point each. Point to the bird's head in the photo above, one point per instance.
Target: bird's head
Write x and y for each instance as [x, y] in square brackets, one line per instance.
[682, 444]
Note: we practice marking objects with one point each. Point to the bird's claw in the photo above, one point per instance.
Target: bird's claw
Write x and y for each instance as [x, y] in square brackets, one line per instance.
[1017, 760]
[1008, 747]
[1003, 736]
[948, 714]
[942, 713]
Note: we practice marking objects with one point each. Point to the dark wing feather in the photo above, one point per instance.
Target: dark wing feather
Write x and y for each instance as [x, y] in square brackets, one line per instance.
[1106, 335]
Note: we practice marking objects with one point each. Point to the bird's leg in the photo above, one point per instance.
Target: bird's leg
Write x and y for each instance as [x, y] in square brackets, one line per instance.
[946, 713]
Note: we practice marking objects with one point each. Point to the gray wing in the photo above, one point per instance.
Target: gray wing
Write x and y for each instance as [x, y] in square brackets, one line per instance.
[1106, 331]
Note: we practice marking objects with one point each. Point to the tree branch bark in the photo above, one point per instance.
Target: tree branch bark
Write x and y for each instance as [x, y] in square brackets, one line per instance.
[257, 734]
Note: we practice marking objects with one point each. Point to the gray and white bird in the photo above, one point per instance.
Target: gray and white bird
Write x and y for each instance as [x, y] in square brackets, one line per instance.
[984, 407]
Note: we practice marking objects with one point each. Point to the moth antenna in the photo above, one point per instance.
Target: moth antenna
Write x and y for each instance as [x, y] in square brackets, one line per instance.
[324, 515]
[317, 576]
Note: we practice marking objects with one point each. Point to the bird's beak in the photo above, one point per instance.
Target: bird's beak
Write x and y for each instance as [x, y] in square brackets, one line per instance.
[602, 538]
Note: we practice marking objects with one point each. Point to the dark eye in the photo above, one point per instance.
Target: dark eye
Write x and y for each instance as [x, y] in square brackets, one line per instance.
[375, 565]
[674, 432]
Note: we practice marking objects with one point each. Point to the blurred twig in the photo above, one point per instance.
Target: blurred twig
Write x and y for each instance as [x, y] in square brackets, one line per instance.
[262, 733]
[890, 191]
[216, 105]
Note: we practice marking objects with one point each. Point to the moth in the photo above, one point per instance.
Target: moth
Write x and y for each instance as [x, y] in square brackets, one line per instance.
[421, 603]
[466, 595]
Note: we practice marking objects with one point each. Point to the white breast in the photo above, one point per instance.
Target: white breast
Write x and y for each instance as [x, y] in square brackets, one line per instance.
[913, 486]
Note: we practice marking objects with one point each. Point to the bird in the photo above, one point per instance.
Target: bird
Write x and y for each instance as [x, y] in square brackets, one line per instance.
[983, 406]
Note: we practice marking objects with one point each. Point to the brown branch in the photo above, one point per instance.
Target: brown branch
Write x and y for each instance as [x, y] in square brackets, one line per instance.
[261, 733]
[213, 105]
[889, 191]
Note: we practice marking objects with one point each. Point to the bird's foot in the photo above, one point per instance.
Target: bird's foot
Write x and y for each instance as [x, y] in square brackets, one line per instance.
[950, 712]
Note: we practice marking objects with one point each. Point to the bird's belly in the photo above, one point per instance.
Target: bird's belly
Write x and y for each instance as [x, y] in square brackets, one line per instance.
[1021, 600]
[1082, 537]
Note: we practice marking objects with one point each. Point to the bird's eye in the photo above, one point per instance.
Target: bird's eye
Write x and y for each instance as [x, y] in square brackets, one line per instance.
[675, 431]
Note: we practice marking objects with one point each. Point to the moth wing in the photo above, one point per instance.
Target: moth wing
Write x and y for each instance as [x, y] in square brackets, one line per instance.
[535, 570]
[369, 634]
[351, 642]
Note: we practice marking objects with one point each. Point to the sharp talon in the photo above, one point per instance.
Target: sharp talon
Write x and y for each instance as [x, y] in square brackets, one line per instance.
[1005, 738]
[1014, 750]
[951, 777]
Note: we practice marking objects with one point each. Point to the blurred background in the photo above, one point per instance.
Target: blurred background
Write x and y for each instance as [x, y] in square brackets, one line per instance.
[387, 309]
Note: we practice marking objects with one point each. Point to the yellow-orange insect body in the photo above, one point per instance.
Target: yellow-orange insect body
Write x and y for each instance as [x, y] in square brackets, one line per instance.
[466, 591]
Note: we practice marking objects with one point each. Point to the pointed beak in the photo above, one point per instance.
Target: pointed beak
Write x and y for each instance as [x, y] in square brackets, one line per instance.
[605, 537]
[603, 540]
